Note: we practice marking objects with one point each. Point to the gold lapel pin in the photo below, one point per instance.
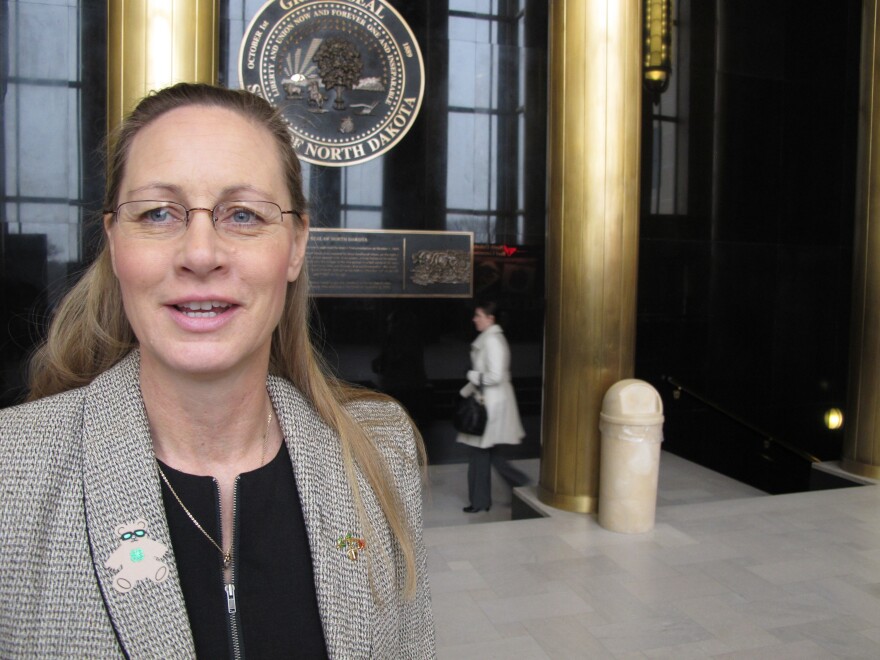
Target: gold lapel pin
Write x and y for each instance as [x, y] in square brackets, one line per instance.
[351, 544]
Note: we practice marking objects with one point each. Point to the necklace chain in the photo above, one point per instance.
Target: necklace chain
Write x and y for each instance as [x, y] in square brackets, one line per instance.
[227, 554]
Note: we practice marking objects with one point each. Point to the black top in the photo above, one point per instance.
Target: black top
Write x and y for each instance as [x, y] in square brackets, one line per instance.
[276, 607]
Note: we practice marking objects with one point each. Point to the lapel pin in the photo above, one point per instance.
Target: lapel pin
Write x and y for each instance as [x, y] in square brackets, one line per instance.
[351, 544]
[136, 558]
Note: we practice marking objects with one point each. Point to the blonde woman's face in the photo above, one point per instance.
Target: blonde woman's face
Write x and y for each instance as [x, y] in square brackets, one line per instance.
[204, 303]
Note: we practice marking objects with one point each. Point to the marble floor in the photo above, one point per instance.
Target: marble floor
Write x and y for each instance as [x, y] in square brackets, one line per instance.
[727, 572]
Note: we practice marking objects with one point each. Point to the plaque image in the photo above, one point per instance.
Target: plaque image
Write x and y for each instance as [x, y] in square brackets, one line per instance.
[390, 264]
[347, 75]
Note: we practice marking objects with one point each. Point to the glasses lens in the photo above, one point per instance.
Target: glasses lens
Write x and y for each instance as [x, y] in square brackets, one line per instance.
[239, 218]
[127, 536]
[140, 533]
[150, 218]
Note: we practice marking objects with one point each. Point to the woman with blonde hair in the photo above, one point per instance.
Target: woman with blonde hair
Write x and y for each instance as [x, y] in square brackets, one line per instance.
[187, 479]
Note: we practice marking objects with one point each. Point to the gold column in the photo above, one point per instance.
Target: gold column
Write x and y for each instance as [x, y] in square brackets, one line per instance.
[592, 234]
[155, 43]
[861, 450]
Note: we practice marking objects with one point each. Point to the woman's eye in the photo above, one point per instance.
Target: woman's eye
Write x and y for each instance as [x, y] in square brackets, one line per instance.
[243, 215]
[161, 214]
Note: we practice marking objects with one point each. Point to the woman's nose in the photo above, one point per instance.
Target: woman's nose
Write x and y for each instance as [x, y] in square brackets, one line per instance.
[201, 251]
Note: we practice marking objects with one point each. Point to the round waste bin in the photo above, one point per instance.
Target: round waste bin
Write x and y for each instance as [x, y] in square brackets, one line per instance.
[631, 427]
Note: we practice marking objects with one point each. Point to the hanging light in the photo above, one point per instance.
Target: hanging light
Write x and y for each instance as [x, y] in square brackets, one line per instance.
[658, 46]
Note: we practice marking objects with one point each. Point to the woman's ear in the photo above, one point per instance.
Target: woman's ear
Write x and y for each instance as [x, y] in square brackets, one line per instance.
[298, 251]
[109, 227]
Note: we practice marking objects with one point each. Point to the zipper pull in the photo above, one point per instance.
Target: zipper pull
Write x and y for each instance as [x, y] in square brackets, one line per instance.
[230, 597]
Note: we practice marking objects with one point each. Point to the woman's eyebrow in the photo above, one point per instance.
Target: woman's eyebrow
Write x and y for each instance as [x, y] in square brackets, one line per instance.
[173, 189]
[157, 186]
[243, 187]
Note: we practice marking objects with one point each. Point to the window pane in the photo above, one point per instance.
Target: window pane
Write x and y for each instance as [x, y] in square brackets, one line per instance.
[462, 74]
[45, 141]
[362, 219]
[362, 184]
[477, 6]
[468, 169]
[42, 48]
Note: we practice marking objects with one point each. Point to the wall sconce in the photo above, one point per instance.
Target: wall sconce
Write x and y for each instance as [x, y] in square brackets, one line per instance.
[833, 418]
[658, 47]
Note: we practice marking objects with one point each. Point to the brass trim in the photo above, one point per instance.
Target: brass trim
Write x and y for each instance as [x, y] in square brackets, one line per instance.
[860, 469]
[573, 503]
[861, 447]
[155, 43]
[595, 89]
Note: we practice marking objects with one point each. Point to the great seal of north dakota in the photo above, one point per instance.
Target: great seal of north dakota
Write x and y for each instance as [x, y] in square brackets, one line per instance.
[347, 75]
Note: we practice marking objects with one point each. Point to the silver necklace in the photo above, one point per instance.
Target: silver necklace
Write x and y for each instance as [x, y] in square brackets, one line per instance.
[226, 554]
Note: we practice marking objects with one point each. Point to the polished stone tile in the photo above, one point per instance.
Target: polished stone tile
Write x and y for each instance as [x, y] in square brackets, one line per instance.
[651, 633]
[566, 637]
[534, 606]
[794, 610]
[806, 650]
[691, 651]
[451, 581]
[511, 648]
[459, 620]
[841, 637]
[737, 576]
[798, 570]
[670, 588]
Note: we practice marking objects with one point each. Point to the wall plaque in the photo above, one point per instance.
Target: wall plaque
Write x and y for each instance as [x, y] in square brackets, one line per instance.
[347, 75]
[390, 264]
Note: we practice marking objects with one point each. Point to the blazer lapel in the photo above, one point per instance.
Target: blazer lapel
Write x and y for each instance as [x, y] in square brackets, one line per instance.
[138, 576]
[345, 600]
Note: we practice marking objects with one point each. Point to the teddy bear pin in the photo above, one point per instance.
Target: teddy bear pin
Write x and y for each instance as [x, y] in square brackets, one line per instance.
[137, 557]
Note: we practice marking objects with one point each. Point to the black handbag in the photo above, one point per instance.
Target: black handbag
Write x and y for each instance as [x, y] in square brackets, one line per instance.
[470, 413]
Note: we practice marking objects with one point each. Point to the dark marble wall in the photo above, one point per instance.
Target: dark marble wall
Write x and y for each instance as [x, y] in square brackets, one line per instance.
[744, 297]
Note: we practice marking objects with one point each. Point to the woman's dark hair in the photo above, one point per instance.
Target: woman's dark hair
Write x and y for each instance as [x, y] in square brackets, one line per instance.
[489, 307]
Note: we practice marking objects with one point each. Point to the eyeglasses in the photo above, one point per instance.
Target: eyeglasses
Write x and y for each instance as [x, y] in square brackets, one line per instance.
[151, 218]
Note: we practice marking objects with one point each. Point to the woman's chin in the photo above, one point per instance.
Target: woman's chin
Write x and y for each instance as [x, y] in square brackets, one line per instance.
[201, 361]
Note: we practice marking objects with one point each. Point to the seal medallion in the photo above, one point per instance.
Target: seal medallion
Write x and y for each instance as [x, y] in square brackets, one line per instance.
[347, 75]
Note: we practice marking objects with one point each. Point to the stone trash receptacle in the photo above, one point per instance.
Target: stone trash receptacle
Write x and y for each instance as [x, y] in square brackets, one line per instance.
[631, 427]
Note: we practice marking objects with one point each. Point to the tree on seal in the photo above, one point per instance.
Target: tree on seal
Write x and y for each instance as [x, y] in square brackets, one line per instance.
[339, 65]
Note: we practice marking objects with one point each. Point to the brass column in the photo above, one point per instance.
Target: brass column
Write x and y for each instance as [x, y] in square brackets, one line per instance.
[592, 234]
[155, 43]
[861, 450]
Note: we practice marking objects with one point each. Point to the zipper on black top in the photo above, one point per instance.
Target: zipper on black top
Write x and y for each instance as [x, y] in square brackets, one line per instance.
[230, 598]
[233, 620]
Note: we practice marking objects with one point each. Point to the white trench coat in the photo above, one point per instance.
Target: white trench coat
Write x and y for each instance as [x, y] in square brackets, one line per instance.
[490, 358]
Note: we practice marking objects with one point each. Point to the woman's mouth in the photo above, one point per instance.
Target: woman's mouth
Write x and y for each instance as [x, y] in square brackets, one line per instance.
[202, 309]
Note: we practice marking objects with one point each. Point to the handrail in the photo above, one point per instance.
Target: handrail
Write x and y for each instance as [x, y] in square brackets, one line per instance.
[768, 437]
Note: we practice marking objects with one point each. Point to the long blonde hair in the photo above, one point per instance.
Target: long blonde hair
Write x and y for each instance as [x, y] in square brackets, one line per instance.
[89, 332]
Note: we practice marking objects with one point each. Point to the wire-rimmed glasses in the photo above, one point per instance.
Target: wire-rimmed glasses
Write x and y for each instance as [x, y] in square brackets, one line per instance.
[150, 218]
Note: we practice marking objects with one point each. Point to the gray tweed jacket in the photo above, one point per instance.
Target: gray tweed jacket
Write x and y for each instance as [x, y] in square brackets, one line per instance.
[76, 466]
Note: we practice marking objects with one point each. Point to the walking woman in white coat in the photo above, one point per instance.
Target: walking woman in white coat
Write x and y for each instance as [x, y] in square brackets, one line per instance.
[490, 368]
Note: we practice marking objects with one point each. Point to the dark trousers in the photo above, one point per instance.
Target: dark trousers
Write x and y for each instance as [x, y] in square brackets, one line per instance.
[480, 464]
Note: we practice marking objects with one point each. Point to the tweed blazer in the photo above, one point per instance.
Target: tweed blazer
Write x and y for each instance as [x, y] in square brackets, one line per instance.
[76, 466]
